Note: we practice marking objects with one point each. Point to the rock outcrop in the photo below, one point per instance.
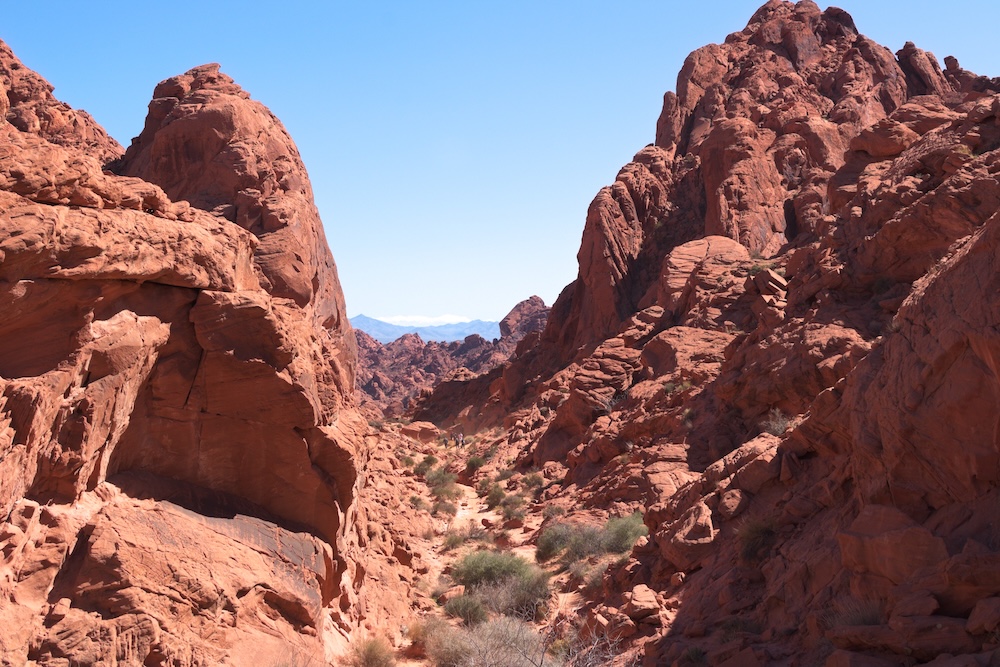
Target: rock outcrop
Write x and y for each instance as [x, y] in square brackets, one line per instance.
[392, 376]
[182, 465]
[781, 347]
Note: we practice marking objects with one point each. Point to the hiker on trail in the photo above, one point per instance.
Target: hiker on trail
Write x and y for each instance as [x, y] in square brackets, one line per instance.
[461, 440]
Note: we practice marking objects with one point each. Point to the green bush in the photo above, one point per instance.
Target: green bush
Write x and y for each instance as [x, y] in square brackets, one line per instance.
[466, 607]
[488, 567]
[440, 477]
[419, 503]
[373, 652]
[505, 474]
[450, 491]
[424, 466]
[505, 583]
[620, 534]
[585, 541]
[578, 541]
[444, 507]
[474, 464]
[533, 480]
[407, 461]
[523, 595]
[512, 507]
[495, 496]
[553, 540]
[552, 511]
[472, 533]
[453, 540]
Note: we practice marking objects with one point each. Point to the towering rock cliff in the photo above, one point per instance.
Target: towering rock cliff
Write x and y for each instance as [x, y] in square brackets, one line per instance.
[781, 346]
[181, 460]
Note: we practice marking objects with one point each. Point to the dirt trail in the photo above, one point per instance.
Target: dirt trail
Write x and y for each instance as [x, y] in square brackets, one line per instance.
[512, 537]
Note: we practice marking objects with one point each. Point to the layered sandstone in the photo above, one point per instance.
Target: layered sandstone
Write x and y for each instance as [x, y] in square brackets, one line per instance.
[182, 465]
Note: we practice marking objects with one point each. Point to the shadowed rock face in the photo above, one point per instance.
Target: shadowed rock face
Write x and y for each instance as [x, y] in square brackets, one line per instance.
[174, 337]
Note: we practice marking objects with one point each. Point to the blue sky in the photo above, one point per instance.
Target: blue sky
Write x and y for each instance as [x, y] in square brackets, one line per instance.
[453, 146]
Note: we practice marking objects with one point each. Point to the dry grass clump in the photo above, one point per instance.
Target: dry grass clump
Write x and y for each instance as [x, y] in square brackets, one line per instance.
[757, 537]
[776, 422]
[372, 652]
[503, 642]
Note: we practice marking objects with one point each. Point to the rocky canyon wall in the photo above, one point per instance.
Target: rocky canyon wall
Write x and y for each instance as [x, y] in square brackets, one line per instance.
[781, 347]
[182, 464]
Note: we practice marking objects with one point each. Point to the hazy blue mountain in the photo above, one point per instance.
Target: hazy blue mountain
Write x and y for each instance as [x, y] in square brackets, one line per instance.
[384, 332]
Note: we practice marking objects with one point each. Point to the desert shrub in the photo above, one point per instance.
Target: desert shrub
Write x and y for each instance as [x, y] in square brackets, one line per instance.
[419, 503]
[512, 507]
[851, 612]
[506, 583]
[374, 652]
[474, 464]
[424, 466]
[447, 646]
[444, 507]
[533, 480]
[584, 541]
[407, 461]
[505, 474]
[469, 608]
[453, 540]
[552, 511]
[731, 628]
[524, 595]
[440, 477]
[579, 542]
[695, 655]
[595, 650]
[503, 642]
[620, 534]
[446, 491]
[489, 567]
[483, 487]
[472, 533]
[495, 496]
[553, 540]
[776, 422]
[756, 538]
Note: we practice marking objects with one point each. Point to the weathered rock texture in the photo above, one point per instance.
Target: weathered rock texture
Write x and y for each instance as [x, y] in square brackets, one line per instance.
[392, 375]
[782, 346]
[182, 466]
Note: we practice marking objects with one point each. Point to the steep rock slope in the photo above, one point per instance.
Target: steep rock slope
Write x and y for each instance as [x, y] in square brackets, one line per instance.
[183, 471]
[781, 347]
[392, 375]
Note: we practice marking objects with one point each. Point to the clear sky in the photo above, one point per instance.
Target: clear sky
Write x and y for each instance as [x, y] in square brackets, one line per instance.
[453, 146]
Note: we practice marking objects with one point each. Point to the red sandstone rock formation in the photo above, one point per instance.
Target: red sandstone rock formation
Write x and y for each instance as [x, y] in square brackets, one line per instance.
[782, 347]
[391, 376]
[184, 476]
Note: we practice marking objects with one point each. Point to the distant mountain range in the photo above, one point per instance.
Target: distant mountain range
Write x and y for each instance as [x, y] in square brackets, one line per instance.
[384, 332]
